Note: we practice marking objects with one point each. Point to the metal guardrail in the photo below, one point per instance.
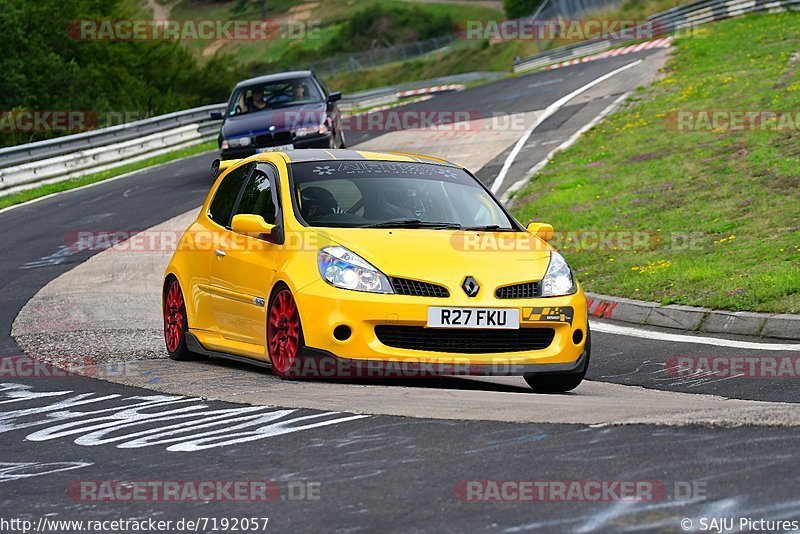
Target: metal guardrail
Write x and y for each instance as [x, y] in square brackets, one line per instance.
[16, 155]
[92, 160]
[672, 20]
[385, 95]
[379, 56]
[73, 156]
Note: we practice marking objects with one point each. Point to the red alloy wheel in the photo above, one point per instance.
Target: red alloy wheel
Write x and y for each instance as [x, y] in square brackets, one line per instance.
[283, 331]
[174, 317]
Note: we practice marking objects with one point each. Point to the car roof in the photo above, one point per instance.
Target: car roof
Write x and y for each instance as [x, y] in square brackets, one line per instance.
[275, 77]
[307, 155]
[311, 154]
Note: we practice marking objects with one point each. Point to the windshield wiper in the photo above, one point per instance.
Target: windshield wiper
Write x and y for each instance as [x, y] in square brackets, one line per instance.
[413, 223]
[489, 228]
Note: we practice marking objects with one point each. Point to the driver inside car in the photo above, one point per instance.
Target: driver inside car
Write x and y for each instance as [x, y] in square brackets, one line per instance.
[404, 203]
[256, 100]
[317, 202]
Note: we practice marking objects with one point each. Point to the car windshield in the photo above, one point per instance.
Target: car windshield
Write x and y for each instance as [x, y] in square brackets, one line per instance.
[273, 95]
[380, 194]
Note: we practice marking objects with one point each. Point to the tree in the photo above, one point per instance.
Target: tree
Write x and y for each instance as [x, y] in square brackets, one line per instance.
[516, 9]
[261, 5]
[45, 68]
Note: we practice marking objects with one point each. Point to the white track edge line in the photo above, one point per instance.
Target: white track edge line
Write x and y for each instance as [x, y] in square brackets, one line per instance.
[608, 328]
[549, 111]
[563, 146]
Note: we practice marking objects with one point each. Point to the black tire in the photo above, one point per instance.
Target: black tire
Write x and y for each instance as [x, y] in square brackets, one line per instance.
[174, 333]
[560, 382]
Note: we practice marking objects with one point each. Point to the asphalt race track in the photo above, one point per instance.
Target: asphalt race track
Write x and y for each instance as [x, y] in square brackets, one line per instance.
[391, 455]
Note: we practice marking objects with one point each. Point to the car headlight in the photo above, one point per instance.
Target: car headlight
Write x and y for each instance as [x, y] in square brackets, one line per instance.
[241, 141]
[311, 130]
[347, 270]
[225, 145]
[304, 131]
[558, 281]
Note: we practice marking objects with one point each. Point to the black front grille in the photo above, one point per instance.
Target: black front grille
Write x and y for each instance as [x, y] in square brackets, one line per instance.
[528, 290]
[415, 288]
[283, 138]
[468, 341]
[270, 140]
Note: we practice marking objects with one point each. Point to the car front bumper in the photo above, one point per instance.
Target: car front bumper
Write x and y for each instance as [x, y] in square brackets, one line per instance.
[323, 308]
[312, 141]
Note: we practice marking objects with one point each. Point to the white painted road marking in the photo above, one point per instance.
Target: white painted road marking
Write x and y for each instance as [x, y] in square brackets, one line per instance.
[607, 328]
[563, 146]
[548, 112]
[11, 471]
[179, 423]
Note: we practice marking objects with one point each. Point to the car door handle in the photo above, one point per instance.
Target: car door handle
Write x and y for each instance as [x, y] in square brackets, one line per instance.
[220, 253]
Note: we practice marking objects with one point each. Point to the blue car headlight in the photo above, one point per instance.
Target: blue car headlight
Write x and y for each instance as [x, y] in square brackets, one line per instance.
[345, 269]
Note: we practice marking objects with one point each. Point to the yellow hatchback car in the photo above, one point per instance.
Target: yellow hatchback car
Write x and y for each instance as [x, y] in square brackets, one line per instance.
[344, 264]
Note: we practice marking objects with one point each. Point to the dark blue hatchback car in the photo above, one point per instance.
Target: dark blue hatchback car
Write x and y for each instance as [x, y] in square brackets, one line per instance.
[280, 112]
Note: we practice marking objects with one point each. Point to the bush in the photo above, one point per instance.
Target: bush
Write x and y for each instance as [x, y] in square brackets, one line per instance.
[389, 25]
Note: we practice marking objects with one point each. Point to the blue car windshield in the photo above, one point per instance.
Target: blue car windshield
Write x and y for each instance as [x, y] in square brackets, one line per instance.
[273, 95]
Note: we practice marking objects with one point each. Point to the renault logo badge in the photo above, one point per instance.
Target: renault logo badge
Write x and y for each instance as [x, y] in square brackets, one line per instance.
[470, 286]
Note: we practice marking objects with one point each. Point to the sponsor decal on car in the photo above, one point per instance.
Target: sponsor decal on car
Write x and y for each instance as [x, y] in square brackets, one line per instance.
[562, 314]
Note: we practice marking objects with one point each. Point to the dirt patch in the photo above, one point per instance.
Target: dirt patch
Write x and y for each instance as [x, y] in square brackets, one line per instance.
[160, 12]
[301, 12]
[297, 13]
[497, 5]
[213, 48]
[642, 157]
[791, 68]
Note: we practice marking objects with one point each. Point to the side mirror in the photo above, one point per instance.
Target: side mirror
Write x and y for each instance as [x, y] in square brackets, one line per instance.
[543, 231]
[216, 116]
[252, 225]
[334, 97]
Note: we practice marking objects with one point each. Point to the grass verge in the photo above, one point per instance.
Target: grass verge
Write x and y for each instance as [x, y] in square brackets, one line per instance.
[49, 189]
[721, 208]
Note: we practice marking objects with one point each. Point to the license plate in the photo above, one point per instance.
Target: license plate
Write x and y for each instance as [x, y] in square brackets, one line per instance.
[281, 148]
[500, 318]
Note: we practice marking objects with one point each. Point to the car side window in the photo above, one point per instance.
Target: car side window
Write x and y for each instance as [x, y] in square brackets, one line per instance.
[221, 209]
[258, 198]
[328, 197]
